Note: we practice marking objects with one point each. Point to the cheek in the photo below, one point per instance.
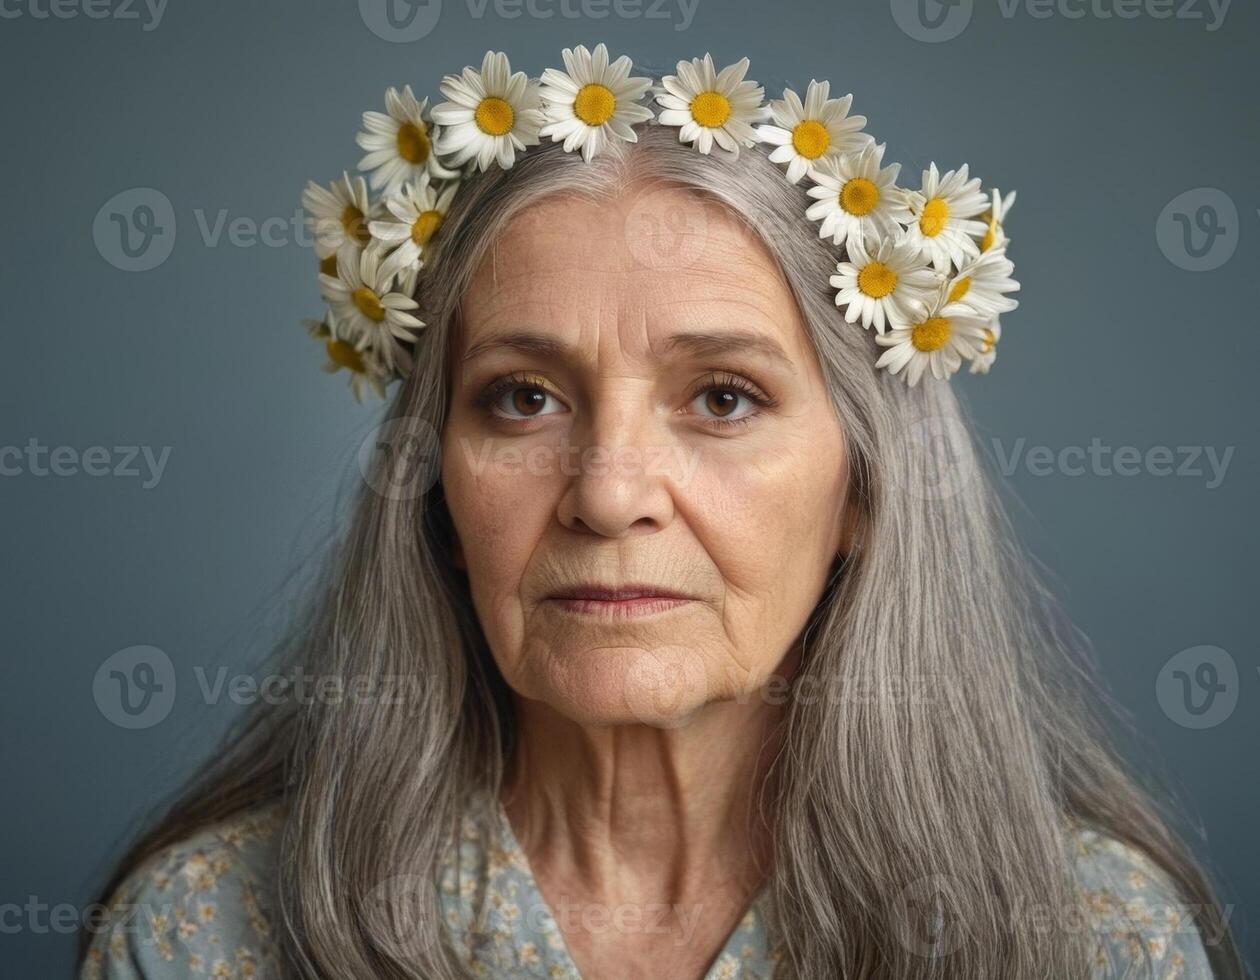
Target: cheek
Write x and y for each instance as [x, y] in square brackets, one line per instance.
[500, 512]
[770, 521]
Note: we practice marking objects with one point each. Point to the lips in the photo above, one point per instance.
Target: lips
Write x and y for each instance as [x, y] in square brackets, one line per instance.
[623, 593]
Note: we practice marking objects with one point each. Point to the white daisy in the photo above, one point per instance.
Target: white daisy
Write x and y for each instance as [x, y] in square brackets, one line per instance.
[888, 286]
[364, 366]
[856, 200]
[807, 134]
[944, 211]
[366, 311]
[400, 143]
[937, 340]
[593, 103]
[987, 354]
[490, 116]
[338, 214]
[994, 218]
[983, 283]
[417, 213]
[710, 107]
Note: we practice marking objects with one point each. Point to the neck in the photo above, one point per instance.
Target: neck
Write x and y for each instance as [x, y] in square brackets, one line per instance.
[637, 812]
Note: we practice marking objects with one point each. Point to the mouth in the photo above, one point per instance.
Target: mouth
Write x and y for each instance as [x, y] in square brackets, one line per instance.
[626, 600]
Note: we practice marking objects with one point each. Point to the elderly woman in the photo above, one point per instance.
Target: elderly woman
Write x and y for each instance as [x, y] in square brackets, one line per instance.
[676, 634]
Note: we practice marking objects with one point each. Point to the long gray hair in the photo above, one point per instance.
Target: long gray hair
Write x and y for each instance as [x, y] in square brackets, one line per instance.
[943, 733]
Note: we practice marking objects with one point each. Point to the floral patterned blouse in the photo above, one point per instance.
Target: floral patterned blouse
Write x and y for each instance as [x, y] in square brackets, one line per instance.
[205, 908]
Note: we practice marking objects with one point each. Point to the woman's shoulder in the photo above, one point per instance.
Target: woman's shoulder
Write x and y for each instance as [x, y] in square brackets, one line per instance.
[203, 906]
[1135, 912]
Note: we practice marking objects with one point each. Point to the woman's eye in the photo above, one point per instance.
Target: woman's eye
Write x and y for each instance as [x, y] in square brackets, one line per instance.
[525, 401]
[723, 404]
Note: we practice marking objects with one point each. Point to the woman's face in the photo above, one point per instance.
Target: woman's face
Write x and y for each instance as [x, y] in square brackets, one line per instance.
[633, 410]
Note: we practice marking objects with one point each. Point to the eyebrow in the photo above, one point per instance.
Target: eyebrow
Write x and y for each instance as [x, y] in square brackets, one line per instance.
[697, 343]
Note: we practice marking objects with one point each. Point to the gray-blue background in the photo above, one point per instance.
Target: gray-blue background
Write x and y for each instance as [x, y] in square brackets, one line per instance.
[227, 108]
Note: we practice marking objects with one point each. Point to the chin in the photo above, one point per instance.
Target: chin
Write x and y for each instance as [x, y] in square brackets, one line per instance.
[663, 687]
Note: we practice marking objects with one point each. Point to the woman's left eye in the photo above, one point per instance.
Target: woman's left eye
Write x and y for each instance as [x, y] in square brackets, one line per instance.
[722, 403]
[719, 402]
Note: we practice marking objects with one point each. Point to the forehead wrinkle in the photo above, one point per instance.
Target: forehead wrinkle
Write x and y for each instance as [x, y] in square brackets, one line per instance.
[735, 275]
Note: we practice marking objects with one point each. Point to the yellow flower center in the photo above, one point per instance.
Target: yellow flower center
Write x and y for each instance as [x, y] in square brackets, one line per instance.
[328, 266]
[425, 226]
[354, 224]
[960, 289]
[369, 304]
[413, 143]
[494, 116]
[594, 104]
[990, 236]
[344, 355]
[935, 214]
[811, 139]
[877, 280]
[711, 109]
[859, 196]
[989, 341]
[932, 334]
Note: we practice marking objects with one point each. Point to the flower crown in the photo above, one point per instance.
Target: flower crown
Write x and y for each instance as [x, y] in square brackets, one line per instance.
[926, 268]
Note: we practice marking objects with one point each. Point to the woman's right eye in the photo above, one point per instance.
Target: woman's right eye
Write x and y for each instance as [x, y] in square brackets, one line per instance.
[519, 400]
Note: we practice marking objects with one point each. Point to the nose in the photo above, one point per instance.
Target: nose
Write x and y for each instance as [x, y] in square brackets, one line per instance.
[620, 486]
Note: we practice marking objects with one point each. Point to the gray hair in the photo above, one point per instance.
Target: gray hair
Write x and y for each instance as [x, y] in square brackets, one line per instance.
[943, 733]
